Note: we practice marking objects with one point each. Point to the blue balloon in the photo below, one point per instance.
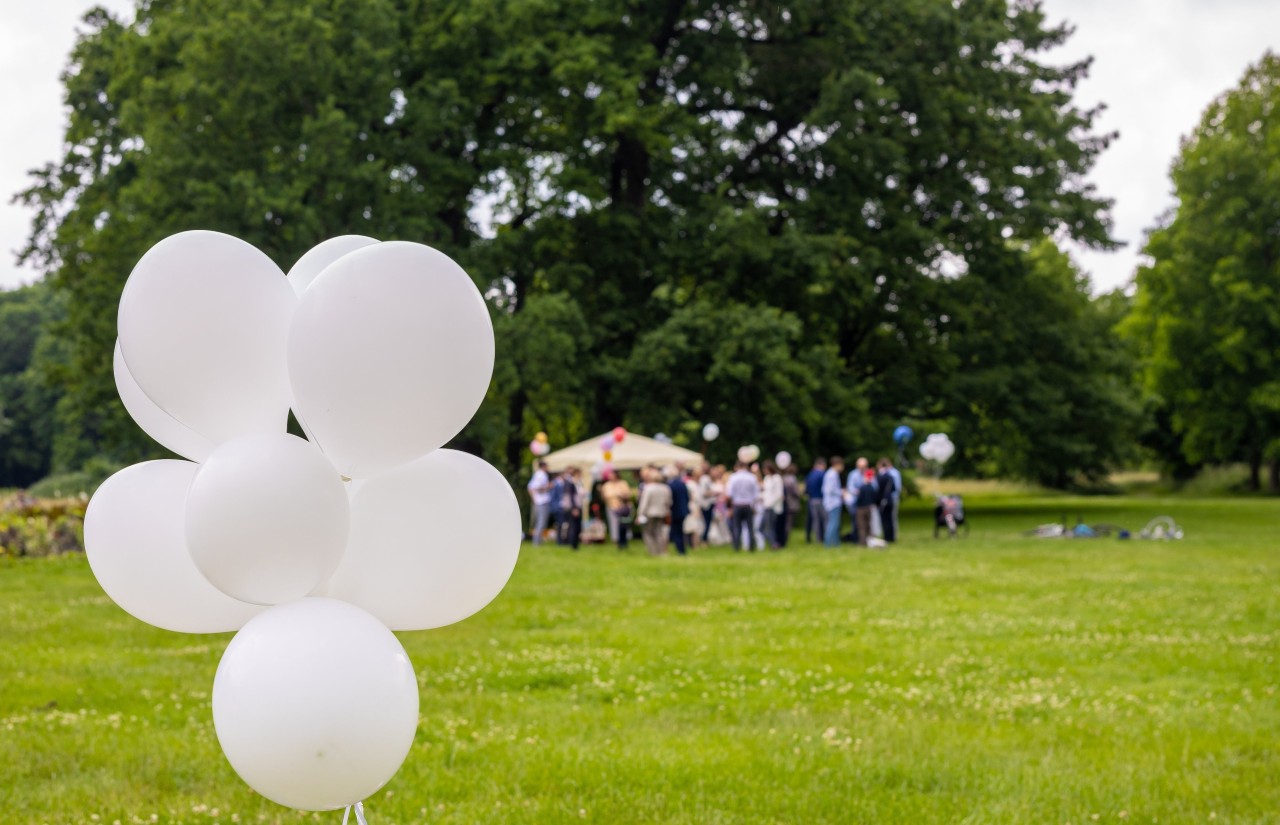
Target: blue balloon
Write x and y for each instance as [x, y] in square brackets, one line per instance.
[902, 435]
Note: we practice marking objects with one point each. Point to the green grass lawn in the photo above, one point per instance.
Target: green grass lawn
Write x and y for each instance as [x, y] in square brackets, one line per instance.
[995, 679]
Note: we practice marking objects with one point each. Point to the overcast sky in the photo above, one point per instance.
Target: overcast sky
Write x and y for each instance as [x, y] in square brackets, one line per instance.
[1158, 64]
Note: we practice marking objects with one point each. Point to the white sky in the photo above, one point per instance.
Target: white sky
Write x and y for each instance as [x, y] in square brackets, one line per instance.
[1158, 64]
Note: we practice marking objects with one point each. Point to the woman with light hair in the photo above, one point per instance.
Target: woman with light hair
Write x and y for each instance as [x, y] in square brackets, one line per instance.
[653, 514]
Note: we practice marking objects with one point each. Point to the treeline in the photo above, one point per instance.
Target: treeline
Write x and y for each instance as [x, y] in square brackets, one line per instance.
[806, 222]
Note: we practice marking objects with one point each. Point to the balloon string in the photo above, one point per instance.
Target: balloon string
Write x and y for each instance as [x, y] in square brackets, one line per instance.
[359, 808]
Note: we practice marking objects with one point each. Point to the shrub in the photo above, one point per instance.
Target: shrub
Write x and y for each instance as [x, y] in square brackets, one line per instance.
[41, 527]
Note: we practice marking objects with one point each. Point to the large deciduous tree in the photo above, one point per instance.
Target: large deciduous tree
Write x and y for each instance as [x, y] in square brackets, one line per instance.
[1207, 309]
[1049, 396]
[626, 171]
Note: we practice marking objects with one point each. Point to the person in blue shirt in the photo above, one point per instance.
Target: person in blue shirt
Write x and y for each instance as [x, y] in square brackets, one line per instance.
[832, 499]
[857, 478]
[816, 525]
[554, 508]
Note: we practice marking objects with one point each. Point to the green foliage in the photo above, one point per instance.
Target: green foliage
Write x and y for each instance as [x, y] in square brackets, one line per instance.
[747, 368]
[84, 481]
[27, 402]
[1207, 310]
[611, 169]
[1041, 390]
[997, 679]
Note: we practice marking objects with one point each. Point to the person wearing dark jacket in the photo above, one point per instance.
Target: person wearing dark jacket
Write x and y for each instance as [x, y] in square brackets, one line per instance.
[866, 498]
[816, 524]
[888, 502]
[679, 507]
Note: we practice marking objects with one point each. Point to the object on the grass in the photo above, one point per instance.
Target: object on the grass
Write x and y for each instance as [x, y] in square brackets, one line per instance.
[1080, 531]
[1161, 528]
[948, 512]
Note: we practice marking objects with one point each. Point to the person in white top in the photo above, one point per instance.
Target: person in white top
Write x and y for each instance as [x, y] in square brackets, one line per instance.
[772, 500]
[742, 491]
[540, 495]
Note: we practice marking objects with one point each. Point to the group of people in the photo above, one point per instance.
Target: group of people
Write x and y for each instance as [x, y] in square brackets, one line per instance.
[753, 508]
[872, 497]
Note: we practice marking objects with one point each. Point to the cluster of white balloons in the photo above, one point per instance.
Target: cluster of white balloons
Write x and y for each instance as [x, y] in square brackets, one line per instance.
[748, 453]
[937, 447]
[313, 549]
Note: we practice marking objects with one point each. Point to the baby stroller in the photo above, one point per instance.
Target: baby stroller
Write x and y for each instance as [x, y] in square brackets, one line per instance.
[948, 512]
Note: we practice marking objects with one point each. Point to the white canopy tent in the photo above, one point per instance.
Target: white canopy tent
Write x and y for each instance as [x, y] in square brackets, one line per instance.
[634, 452]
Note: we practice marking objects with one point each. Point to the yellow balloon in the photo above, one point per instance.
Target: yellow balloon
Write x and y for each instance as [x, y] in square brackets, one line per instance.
[608, 455]
[541, 438]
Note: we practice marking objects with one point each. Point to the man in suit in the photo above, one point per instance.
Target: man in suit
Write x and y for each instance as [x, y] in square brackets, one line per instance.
[679, 506]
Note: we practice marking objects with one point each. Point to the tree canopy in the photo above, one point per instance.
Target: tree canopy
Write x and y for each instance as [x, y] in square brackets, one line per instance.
[1206, 315]
[783, 217]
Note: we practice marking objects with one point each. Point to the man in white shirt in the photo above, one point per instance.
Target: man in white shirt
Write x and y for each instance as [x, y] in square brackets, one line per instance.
[540, 495]
[833, 501]
[742, 491]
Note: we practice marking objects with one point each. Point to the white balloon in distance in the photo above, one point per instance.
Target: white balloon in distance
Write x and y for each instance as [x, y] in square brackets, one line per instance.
[203, 322]
[134, 541]
[710, 432]
[155, 422]
[783, 460]
[267, 518]
[432, 542]
[311, 264]
[390, 354]
[315, 704]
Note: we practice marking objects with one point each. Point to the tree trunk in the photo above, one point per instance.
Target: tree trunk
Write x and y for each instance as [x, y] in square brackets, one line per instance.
[1255, 467]
[1273, 475]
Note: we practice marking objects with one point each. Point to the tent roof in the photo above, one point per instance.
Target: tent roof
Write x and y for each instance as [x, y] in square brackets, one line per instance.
[634, 452]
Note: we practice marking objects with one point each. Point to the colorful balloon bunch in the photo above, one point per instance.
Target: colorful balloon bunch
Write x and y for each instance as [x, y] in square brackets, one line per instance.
[313, 549]
[613, 439]
[540, 446]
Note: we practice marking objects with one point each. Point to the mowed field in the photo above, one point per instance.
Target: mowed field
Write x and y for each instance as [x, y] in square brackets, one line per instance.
[992, 679]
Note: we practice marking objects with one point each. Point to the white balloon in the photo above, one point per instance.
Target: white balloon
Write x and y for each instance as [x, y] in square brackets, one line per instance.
[783, 460]
[267, 518]
[134, 541]
[155, 422]
[315, 704]
[390, 354]
[710, 432]
[203, 322]
[321, 255]
[937, 447]
[432, 542]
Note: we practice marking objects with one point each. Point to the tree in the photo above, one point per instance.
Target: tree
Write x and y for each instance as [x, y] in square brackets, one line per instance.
[1041, 388]
[27, 402]
[839, 162]
[1206, 316]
